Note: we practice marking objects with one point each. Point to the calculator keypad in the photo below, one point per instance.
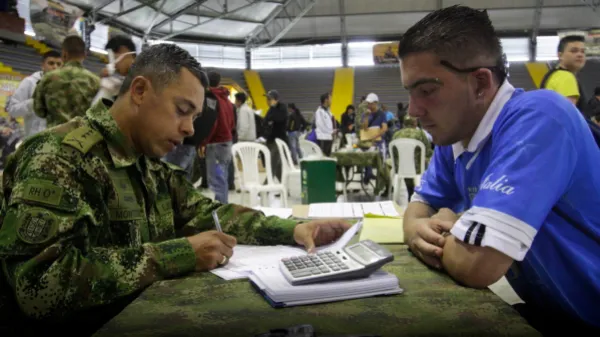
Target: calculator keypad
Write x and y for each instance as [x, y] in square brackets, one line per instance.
[320, 263]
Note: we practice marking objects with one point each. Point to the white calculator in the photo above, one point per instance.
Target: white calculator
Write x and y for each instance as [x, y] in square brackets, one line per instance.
[355, 261]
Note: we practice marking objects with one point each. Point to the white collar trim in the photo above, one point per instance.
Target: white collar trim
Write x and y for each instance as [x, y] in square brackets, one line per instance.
[484, 128]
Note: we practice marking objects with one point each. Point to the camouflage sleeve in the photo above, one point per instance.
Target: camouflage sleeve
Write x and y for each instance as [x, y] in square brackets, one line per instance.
[39, 98]
[194, 214]
[47, 245]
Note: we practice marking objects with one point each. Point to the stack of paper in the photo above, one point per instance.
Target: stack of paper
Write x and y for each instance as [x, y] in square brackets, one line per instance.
[352, 209]
[274, 287]
[247, 259]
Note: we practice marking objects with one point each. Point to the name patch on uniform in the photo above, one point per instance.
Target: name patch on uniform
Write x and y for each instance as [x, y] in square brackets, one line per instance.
[126, 214]
[43, 192]
[37, 226]
[83, 138]
[164, 206]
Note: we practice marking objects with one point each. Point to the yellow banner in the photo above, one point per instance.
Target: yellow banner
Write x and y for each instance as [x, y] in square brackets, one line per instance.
[385, 53]
[8, 84]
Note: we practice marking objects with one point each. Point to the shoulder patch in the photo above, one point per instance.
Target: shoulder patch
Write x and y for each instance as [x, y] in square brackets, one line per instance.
[83, 138]
[43, 192]
[37, 226]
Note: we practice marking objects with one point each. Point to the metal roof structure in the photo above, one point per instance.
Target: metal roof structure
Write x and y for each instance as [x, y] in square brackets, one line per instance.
[261, 23]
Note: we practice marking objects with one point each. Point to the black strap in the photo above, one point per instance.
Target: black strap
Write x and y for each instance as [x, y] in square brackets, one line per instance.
[580, 102]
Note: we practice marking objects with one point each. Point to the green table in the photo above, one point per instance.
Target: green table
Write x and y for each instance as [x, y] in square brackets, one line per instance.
[360, 160]
[432, 304]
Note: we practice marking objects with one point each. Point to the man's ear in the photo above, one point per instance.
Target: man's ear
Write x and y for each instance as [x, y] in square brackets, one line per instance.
[483, 79]
[139, 89]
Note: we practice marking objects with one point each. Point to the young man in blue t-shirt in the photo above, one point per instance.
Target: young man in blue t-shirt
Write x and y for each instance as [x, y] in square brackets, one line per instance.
[511, 189]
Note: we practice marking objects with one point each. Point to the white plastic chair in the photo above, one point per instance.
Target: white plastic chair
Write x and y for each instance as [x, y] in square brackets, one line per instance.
[249, 154]
[402, 154]
[349, 140]
[310, 149]
[290, 174]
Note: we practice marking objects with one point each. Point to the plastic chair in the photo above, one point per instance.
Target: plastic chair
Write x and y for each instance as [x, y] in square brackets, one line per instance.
[403, 166]
[310, 149]
[290, 174]
[249, 154]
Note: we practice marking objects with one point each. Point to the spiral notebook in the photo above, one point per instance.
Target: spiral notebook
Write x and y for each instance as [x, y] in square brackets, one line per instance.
[279, 293]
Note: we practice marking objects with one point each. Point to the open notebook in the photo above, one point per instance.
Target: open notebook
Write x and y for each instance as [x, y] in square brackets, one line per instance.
[246, 259]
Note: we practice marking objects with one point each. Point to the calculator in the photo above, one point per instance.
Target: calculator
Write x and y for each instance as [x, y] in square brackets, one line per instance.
[355, 261]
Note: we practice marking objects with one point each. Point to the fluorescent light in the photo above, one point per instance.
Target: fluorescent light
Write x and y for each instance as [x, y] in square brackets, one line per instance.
[99, 51]
[153, 42]
[32, 34]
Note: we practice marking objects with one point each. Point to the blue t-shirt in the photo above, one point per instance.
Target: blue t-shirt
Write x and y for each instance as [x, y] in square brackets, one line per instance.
[535, 166]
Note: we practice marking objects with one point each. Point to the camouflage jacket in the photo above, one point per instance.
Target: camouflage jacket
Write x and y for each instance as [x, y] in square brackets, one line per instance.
[65, 93]
[361, 114]
[86, 221]
[419, 135]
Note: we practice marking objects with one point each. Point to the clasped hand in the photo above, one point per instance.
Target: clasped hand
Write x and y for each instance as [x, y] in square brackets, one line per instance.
[430, 237]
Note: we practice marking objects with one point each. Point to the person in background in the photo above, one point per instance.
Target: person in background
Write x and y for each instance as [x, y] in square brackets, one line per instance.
[275, 126]
[218, 148]
[324, 126]
[401, 113]
[361, 111]
[593, 106]
[246, 123]
[112, 76]
[512, 188]
[562, 79]
[347, 125]
[296, 124]
[115, 218]
[21, 101]
[66, 92]
[411, 131]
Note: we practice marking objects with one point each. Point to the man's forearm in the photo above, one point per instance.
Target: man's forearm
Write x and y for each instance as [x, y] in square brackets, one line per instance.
[415, 211]
[473, 266]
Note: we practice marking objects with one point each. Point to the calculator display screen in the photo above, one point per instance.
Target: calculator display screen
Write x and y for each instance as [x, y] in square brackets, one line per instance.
[365, 254]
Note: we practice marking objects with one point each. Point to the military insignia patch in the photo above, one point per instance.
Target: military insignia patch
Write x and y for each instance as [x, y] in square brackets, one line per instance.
[38, 225]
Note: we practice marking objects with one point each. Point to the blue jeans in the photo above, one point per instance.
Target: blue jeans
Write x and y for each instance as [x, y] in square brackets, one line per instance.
[218, 158]
[183, 156]
[293, 137]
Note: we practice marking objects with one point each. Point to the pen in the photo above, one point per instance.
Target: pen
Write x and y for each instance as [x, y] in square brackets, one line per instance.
[217, 223]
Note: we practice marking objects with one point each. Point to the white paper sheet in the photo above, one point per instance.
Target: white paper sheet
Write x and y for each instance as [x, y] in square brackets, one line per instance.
[246, 258]
[283, 213]
[351, 209]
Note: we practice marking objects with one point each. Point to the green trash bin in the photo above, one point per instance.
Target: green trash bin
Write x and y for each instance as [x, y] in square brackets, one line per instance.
[318, 180]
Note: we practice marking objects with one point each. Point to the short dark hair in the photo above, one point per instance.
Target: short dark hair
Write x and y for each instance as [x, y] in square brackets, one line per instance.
[324, 97]
[597, 91]
[457, 34]
[51, 53]
[240, 96]
[562, 44]
[118, 41]
[161, 64]
[74, 46]
[214, 79]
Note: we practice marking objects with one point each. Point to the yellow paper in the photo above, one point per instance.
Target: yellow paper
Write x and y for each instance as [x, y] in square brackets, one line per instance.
[378, 216]
[382, 230]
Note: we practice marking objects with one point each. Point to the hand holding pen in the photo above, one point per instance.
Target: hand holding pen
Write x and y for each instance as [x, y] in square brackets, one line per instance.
[212, 248]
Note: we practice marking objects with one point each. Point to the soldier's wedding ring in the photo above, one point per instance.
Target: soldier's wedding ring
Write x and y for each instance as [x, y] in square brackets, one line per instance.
[224, 260]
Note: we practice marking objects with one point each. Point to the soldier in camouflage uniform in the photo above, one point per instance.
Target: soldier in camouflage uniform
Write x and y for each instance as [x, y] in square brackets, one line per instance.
[410, 130]
[66, 92]
[91, 216]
